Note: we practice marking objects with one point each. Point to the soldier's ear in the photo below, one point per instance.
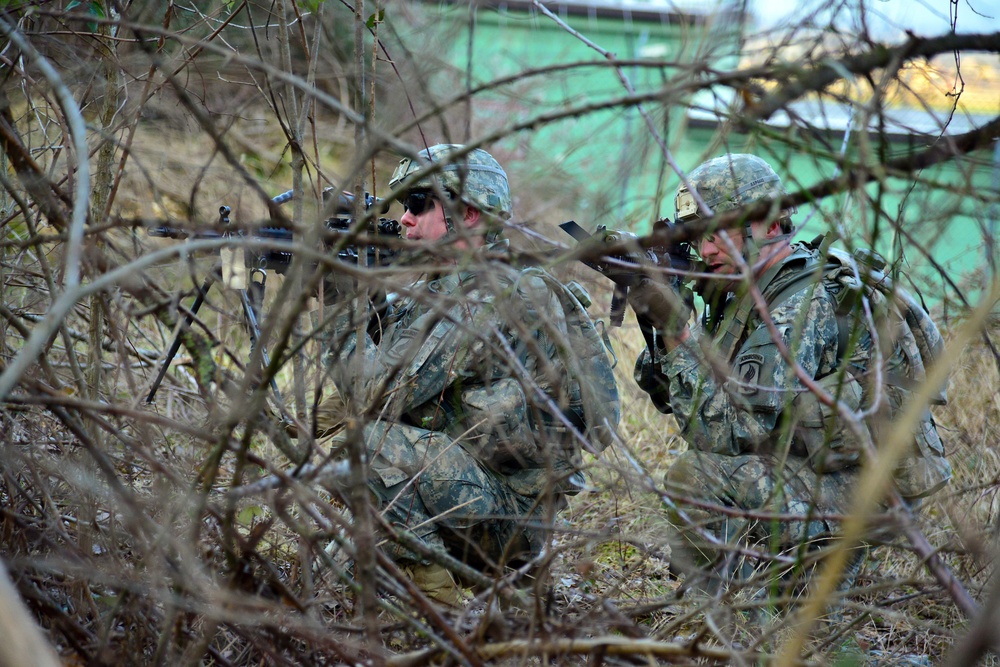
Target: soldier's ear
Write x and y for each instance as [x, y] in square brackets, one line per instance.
[472, 215]
[774, 228]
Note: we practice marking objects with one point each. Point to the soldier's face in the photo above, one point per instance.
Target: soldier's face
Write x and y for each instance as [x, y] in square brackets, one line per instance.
[716, 254]
[724, 259]
[423, 218]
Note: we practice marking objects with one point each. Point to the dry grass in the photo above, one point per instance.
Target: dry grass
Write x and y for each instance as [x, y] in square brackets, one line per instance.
[124, 544]
[895, 606]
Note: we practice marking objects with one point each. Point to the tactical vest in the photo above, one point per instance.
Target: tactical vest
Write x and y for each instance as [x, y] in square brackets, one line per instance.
[525, 436]
[910, 342]
[595, 403]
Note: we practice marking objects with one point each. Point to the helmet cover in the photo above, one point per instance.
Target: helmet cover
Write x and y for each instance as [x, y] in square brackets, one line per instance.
[476, 178]
[727, 183]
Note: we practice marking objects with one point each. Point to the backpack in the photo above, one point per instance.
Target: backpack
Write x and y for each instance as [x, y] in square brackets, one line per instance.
[909, 336]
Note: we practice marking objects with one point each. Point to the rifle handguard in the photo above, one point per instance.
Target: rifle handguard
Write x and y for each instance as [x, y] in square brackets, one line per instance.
[660, 304]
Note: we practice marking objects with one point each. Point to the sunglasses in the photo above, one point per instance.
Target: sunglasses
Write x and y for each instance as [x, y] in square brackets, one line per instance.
[418, 202]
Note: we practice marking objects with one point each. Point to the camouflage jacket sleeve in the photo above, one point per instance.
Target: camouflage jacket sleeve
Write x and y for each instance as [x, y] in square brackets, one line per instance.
[740, 413]
[419, 356]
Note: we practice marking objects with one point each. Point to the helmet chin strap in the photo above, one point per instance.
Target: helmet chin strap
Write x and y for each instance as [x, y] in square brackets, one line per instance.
[751, 248]
[448, 204]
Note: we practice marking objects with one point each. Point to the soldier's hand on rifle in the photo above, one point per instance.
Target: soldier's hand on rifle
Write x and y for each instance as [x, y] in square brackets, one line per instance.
[631, 265]
[661, 305]
[624, 268]
[646, 289]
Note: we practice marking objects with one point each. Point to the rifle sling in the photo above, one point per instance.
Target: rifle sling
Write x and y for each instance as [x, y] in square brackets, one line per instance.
[801, 282]
[734, 326]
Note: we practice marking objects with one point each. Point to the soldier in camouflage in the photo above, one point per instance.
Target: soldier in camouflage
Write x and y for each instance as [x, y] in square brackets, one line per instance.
[769, 465]
[488, 381]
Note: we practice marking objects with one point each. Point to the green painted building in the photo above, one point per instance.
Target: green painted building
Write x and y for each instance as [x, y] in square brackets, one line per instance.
[595, 136]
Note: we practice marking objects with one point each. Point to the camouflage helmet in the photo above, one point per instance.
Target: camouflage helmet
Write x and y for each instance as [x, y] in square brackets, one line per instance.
[727, 183]
[475, 178]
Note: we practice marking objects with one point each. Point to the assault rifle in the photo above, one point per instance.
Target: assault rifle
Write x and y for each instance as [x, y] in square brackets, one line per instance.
[625, 269]
[278, 258]
[259, 260]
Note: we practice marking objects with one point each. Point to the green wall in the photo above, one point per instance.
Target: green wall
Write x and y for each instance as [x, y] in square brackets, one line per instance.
[605, 167]
[602, 151]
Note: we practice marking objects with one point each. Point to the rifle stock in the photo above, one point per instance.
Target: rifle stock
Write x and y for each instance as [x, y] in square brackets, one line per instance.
[625, 269]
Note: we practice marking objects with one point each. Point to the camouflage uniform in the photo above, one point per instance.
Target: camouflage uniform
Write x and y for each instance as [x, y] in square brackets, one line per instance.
[486, 384]
[741, 455]
[759, 441]
[480, 396]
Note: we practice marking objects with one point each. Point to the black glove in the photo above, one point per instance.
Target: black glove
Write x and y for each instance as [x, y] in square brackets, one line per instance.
[625, 268]
[661, 305]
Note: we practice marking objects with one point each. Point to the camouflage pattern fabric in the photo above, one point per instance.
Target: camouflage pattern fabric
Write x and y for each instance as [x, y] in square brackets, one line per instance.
[759, 440]
[477, 178]
[488, 385]
[740, 414]
[726, 183]
[753, 483]
[912, 342]
[428, 484]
